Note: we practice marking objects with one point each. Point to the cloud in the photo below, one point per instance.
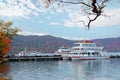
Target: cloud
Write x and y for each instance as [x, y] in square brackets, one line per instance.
[25, 8]
[26, 33]
[75, 38]
[48, 17]
[19, 8]
[76, 19]
[12, 11]
[40, 21]
[69, 23]
[54, 23]
[112, 20]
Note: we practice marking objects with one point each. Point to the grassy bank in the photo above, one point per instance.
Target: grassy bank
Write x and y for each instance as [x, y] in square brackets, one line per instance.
[3, 60]
[2, 78]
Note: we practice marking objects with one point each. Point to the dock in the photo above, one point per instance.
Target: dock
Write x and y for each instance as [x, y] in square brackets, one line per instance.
[112, 54]
[44, 57]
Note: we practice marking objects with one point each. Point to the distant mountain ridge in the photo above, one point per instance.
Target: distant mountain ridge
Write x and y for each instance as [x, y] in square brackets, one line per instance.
[49, 44]
[110, 44]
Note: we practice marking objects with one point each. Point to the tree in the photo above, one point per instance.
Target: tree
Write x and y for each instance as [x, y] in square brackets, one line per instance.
[4, 45]
[6, 34]
[92, 8]
[9, 31]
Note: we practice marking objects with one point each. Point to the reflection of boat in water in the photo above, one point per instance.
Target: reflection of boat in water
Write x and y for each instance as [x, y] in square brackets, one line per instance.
[90, 69]
[83, 50]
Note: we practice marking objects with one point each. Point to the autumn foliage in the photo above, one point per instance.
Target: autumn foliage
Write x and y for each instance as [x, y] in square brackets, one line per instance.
[4, 44]
[7, 32]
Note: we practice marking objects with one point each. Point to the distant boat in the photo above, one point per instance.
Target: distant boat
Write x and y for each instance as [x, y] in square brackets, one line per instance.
[82, 50]
[64, 52]
[28, 53]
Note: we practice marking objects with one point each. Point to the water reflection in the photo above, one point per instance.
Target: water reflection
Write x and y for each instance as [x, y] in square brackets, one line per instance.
[63, 70]
[94, 70]
[4, 70]
[35, 65]
[32, 70]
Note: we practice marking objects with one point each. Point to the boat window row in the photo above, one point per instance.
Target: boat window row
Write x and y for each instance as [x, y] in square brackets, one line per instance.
[63, 48]
[88, 45]
[93, 49]
[87, 49]
[76, 44]
[88, 53]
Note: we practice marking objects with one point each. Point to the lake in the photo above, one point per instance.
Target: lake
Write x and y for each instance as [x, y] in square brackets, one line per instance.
[108, 69]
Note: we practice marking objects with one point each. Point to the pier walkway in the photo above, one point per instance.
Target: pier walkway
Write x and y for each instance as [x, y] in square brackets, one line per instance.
[34, 58]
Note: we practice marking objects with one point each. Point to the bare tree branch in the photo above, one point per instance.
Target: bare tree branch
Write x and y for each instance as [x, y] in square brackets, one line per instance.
[82, 22]
[76, 3]
[95, 8]
[91, 20]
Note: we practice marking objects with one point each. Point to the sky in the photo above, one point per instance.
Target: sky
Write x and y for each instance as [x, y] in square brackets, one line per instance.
[33, 18]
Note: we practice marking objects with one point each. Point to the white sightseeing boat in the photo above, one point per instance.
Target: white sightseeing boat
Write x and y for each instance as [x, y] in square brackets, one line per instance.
[83, 50]
[64, 52]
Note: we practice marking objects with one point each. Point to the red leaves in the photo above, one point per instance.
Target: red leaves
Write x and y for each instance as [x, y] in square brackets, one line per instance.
[4, 44]
[7, 48]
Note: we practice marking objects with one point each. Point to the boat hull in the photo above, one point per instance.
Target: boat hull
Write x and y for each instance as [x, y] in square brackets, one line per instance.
[75, 57]
[65, 57]
[78, 57]
[93, 57]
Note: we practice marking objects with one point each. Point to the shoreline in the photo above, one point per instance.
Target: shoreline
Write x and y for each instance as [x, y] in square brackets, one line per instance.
[3, 60]
[43, 58]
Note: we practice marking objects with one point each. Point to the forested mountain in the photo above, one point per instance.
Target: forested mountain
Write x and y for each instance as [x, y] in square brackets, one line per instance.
[45, 43]
[49, 43]
[110, 44]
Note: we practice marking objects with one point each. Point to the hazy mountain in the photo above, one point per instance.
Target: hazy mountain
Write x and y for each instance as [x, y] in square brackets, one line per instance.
[110, 44]
[39, 43]
[49, 43]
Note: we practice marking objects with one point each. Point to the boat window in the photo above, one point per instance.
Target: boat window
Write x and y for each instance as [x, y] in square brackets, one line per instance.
[74, 53]
[76, 48]
[76, 44]
[64, 48]
[88, 53]
[88, 45]
[84, 53]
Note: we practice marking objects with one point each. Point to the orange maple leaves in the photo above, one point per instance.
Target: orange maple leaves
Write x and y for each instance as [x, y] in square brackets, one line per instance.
[5, 44]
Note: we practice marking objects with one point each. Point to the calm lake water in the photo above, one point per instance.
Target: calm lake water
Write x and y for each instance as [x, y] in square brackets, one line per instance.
[108, 69]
